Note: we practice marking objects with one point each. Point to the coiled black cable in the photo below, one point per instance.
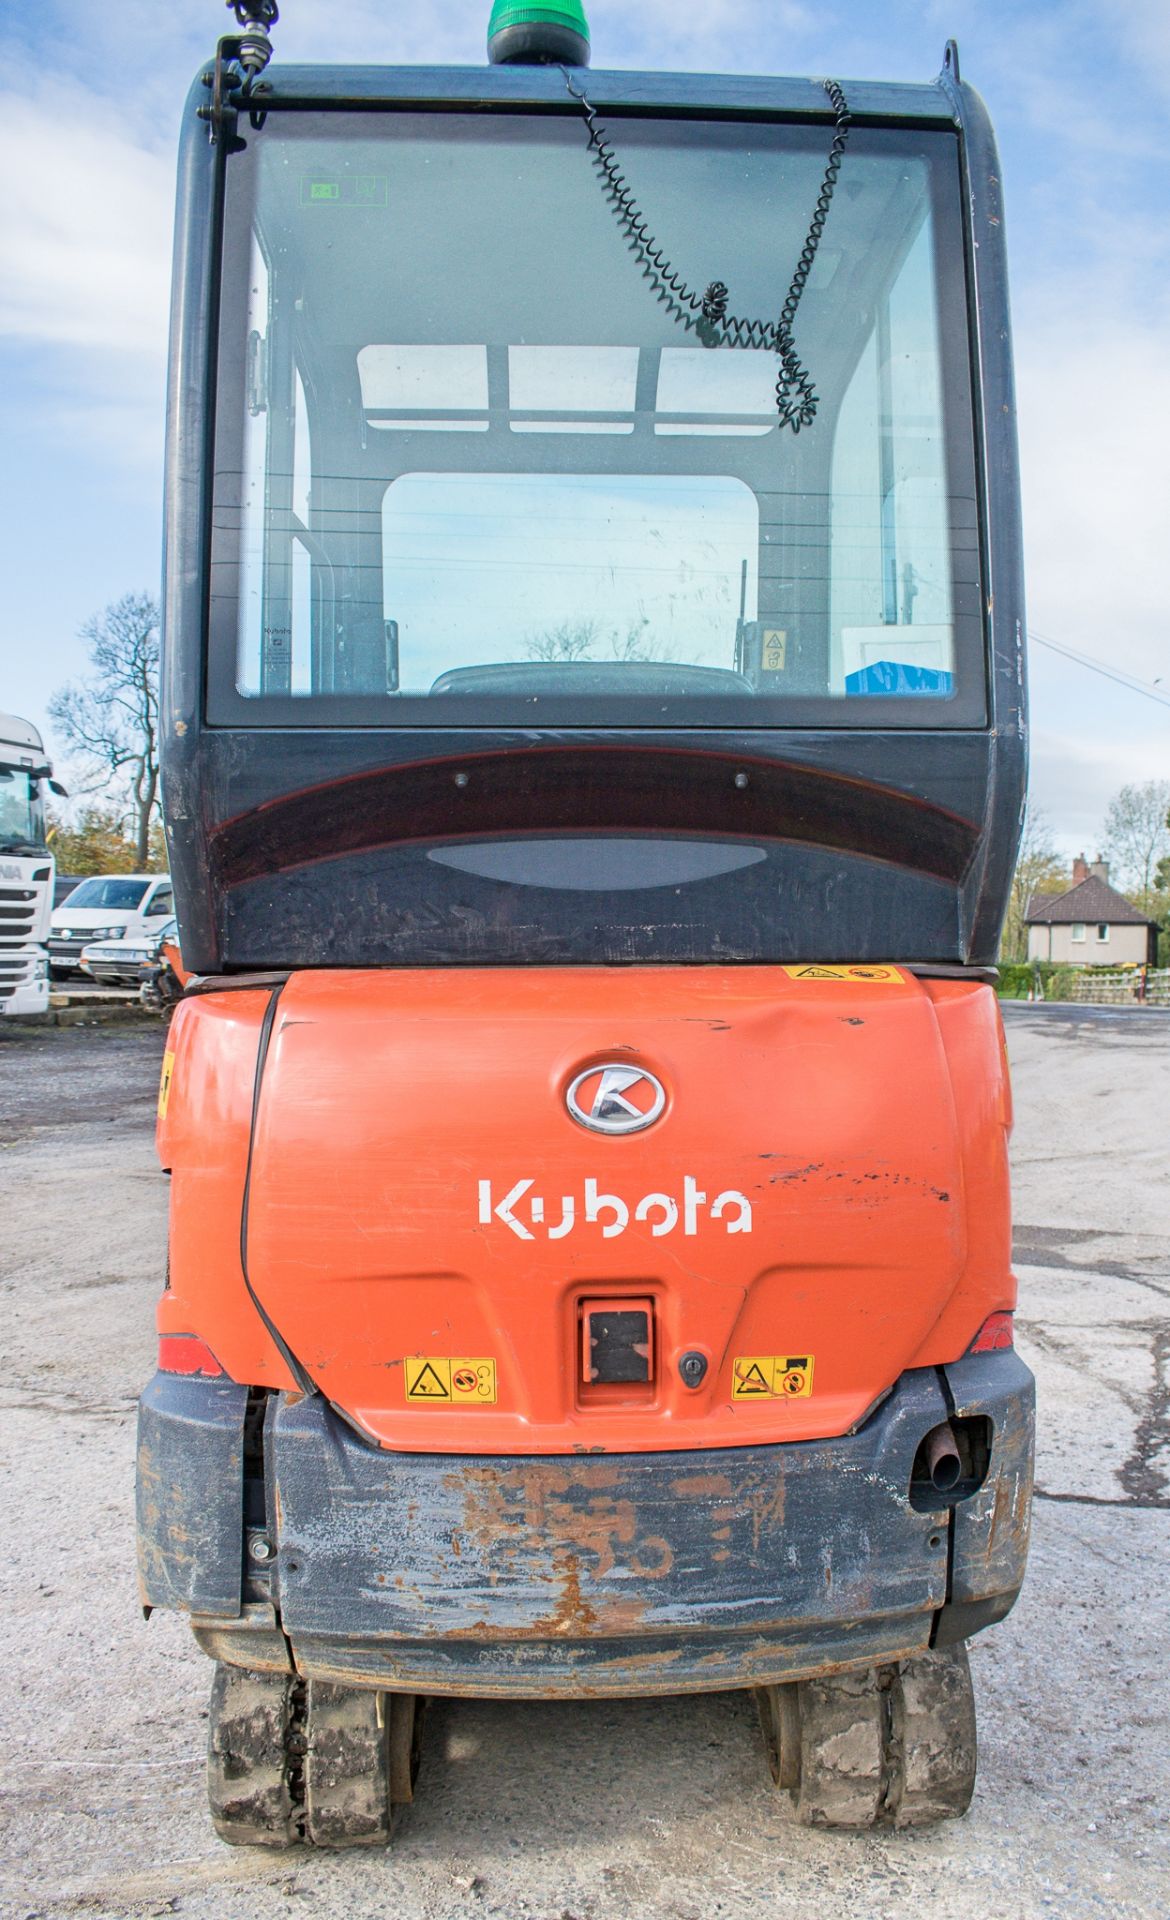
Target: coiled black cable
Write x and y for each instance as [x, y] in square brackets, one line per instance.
[797, 400]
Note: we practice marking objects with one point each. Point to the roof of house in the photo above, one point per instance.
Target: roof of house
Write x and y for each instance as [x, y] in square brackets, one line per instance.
[1093, 900]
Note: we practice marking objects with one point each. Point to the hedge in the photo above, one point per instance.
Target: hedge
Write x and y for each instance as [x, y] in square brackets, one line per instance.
[1017, 979]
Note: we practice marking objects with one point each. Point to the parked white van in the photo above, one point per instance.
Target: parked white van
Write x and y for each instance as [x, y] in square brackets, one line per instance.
[108, 906]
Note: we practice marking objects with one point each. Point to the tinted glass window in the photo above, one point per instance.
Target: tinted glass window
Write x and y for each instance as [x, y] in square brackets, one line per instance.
[109, 892]
[21, 814]
[472, 464]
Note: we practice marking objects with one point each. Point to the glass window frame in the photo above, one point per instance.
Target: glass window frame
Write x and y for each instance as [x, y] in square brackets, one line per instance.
[35, 808]
[106, 906]
[966, 709]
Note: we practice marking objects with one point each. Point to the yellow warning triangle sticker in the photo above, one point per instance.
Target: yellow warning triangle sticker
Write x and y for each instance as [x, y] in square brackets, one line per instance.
[427, 1385]
[752, 1381]
[772, 1377]
[860, 972]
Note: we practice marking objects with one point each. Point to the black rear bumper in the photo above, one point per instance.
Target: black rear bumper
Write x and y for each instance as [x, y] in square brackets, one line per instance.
[598, 1574]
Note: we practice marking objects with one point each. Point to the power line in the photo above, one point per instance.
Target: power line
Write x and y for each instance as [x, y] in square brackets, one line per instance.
[1115, 674]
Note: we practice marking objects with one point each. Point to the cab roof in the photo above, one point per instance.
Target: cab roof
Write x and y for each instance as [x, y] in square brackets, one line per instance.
[19, 733]
[501, 87]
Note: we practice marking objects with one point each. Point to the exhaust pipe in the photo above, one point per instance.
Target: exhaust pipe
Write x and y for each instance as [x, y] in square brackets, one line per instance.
[942, 1459]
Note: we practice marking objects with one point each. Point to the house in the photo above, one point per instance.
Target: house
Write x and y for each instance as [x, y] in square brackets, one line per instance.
[1092, 925]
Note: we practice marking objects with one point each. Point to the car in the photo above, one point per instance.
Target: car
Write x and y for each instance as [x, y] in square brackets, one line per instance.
[122, 963]
[105, 908]
[163, 982]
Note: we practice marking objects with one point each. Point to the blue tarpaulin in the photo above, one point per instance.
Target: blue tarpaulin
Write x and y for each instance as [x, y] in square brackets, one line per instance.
[891, 677]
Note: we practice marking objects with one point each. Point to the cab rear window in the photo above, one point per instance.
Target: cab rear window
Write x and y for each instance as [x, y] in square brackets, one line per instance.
[473, 465]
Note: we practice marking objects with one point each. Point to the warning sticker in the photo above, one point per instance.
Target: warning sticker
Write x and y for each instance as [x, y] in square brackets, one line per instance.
[773, 1377]
[164, 1086]
[432, 1382]
[774, 648]
[871, 976]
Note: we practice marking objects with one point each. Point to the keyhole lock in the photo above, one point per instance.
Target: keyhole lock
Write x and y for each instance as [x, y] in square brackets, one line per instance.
[693, 1369]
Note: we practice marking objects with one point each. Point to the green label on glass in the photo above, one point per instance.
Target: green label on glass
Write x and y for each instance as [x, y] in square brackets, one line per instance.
[350, 190]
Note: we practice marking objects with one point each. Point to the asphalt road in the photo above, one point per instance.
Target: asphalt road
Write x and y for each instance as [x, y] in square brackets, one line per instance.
[599, 1811]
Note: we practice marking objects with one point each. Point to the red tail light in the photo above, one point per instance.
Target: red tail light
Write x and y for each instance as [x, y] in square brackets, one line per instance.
[185, 1353]
[996, 1334]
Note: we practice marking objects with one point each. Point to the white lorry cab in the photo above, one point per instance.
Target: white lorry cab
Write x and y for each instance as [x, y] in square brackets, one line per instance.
[26, 870]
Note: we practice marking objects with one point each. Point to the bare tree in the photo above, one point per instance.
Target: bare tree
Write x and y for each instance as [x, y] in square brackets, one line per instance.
[1137, 836]
[633, 644]
[110, 719]
[572, 640]
[1039, 869]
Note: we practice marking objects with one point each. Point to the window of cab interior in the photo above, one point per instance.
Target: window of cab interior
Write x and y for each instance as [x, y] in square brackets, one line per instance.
[471, 466]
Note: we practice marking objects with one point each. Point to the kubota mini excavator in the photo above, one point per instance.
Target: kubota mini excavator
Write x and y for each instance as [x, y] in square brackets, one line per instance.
[594, 717]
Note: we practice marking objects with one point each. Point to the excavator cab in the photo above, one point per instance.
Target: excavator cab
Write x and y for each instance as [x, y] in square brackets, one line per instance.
[594, 716]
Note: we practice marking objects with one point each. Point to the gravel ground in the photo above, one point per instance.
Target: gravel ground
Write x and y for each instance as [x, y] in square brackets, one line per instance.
[597, 1811]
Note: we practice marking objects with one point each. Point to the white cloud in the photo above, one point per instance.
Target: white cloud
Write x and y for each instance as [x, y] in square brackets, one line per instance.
[714, 34]
[1144, 26]
[85, 225]
[1075, 776]
[1094, 388]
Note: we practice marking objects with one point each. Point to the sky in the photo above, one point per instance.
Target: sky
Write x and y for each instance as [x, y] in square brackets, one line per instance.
[90, 97]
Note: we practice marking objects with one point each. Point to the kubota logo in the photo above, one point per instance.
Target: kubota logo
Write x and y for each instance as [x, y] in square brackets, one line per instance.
[525, 1214]
[616, 1098]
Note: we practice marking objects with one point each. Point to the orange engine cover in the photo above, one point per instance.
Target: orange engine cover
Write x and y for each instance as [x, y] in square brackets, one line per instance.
[821, 1203]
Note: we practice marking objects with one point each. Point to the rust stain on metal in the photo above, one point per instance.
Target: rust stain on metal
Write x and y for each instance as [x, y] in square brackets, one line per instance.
[764, 1506]
[1011, 1517]
[573, 1617]
[714, 1486]
[536, 1514]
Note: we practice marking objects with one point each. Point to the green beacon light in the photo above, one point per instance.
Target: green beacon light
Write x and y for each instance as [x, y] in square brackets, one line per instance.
[526, 35]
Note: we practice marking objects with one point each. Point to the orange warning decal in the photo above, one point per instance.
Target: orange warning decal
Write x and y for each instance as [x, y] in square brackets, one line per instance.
[164, 1089]
[432, 1382]
[861, 975]
[773, 1377]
